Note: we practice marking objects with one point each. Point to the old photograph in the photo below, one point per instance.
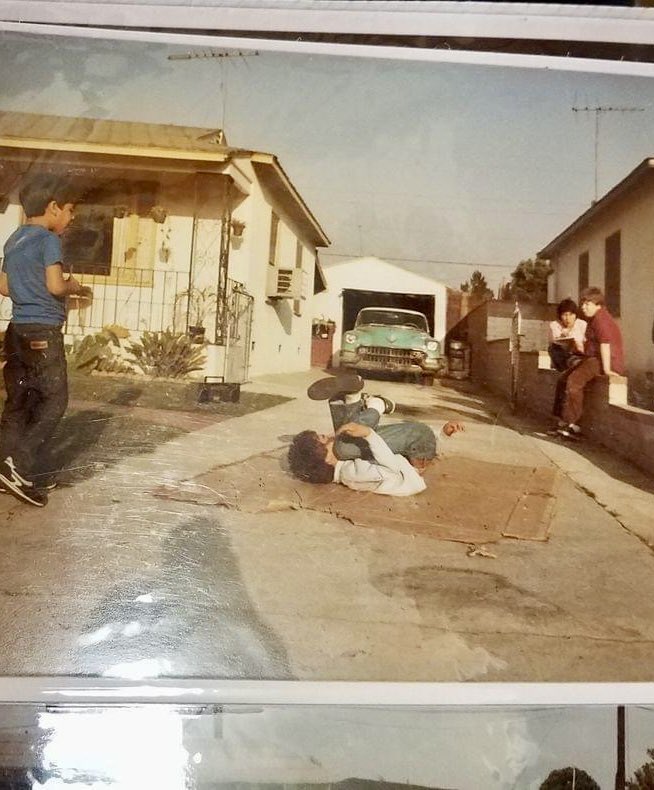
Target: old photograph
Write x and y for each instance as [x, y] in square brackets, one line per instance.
[323, 367]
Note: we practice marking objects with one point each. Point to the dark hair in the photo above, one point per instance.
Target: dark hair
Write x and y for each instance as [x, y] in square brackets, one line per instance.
[306, 457]
[567, 306]
[592, 295]
[39, 191]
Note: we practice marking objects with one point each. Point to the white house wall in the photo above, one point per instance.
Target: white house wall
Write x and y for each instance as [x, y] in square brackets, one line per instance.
[281, 340]
[373, 274]
[634, 218]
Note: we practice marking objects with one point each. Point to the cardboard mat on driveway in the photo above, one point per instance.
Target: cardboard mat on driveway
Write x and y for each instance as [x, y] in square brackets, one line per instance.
[466, 500]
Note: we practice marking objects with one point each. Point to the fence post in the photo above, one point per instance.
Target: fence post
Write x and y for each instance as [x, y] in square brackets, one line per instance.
[514, 351]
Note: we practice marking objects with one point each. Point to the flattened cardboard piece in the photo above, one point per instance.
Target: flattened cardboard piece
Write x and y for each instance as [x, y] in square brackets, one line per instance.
[466, 500]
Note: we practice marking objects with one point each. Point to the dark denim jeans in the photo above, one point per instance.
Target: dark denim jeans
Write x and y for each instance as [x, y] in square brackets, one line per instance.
[410, 439]
[37, 392]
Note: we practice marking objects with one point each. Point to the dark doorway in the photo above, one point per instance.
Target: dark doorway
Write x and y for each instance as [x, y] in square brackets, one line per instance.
[355, 300]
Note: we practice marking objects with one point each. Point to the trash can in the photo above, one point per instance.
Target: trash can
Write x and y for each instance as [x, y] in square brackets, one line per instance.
[322, 343]
[458, 359]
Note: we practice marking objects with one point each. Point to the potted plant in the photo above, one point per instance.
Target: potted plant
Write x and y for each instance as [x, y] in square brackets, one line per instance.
[238, 226]
[201, 304]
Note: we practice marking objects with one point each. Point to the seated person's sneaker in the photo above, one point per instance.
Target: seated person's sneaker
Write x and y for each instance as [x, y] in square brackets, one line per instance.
[16, 485]
[570, 431]
[332, 386]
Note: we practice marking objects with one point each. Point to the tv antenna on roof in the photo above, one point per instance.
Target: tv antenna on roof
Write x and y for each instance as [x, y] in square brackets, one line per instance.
[598, 111]
[211, 54]
[221, 56]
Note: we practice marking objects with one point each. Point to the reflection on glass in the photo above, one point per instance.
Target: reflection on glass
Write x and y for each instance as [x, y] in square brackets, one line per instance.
[165, 747]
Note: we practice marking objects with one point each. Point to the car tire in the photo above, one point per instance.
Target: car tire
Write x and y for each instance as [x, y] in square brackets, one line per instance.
[427, 380]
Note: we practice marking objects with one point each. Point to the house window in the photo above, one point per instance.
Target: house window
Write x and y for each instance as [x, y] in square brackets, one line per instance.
[612, 273]
[297, 303]
[274, 232]
[583, 272]
[88, 242]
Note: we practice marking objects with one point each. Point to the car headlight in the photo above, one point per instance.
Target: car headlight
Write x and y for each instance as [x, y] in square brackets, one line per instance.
[432, 345]
[350, 338]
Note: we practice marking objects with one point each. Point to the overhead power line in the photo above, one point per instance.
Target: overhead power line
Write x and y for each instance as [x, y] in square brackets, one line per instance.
[421, 260]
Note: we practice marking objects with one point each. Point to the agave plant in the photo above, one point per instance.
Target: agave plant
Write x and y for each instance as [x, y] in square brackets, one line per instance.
[167, 354]
[99, 352]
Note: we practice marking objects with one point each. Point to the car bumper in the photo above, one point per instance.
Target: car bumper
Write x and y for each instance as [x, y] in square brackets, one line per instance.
[352, 360]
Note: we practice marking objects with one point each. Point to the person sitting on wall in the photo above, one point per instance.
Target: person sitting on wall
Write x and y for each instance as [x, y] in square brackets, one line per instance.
[603, 355]
[566, 336]
[362, 455]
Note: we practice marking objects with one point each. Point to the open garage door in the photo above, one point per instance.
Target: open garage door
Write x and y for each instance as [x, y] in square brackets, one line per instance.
[355, 300]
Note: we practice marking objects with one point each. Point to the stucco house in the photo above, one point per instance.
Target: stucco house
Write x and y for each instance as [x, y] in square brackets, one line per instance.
[611, 245]
[177, 230]
[368, 281]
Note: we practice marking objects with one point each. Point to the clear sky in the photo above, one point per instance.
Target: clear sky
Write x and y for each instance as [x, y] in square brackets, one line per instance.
[423, 163]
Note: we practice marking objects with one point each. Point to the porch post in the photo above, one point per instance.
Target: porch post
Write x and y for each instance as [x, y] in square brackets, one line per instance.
[222, 297]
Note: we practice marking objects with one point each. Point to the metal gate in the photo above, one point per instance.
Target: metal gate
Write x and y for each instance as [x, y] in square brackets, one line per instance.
[514, 352]
[239, 332]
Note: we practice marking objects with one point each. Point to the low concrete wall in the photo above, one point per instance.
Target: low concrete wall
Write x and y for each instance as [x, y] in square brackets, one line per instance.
[607, 419]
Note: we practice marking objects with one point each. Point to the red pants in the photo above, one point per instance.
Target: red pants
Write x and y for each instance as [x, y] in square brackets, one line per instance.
[569, 399]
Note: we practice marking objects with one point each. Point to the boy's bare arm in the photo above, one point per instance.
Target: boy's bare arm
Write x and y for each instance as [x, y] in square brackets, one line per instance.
[605, 354]
[4, 284]
[57, 286]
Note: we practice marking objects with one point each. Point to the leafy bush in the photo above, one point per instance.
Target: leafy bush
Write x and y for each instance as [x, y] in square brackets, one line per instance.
[167, 354]
[99, 352]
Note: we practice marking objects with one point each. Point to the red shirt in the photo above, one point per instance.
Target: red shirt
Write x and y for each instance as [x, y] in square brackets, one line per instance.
[602, 328]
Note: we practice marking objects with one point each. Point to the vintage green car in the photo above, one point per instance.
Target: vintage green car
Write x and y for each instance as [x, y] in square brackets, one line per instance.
[393, 340]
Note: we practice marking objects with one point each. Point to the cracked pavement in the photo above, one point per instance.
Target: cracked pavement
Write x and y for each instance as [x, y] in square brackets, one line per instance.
[110, 580]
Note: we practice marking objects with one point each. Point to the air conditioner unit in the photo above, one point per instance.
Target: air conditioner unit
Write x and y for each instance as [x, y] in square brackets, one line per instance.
[284, 283]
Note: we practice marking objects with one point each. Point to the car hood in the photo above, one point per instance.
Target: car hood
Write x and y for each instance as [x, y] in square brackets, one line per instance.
[390, 336]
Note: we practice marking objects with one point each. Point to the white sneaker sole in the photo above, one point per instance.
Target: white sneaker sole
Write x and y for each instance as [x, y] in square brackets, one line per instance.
[16, 490]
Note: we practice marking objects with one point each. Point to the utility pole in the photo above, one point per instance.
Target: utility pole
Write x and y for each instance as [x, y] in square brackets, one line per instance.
[598, 111]
[620, 769]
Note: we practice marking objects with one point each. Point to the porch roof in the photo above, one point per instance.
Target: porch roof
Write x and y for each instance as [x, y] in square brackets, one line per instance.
[31, 131]
[631, 181]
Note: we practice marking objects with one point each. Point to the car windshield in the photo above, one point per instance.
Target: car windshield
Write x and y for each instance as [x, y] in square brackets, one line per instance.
[391, 318]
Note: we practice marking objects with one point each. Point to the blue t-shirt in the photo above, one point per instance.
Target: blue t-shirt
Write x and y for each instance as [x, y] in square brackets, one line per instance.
[27, 253]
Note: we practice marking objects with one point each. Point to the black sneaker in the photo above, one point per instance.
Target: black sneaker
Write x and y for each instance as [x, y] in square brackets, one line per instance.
[332, 386]
[44, 482]
[18, 486]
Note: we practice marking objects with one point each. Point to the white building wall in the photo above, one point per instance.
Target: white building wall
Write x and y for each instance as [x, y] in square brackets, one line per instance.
[281, 340]
[634, 218]
[373, 274]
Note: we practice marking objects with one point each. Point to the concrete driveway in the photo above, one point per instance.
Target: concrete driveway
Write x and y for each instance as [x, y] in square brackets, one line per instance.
[110, 580]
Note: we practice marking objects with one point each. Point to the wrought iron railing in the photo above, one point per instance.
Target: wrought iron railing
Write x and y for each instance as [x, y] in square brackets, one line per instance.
[137, 299]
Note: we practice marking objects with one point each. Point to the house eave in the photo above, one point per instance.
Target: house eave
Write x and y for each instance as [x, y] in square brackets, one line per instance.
[145, 152]
[640, 172]
[272, 174]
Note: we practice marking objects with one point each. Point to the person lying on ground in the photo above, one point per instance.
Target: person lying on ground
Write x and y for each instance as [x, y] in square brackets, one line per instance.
[566, 336]
[362, 455]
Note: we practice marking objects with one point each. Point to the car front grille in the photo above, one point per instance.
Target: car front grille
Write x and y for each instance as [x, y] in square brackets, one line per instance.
[391, 356]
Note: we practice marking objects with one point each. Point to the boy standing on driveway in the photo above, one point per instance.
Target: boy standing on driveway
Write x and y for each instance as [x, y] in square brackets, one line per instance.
[35, 372]
[603, 355]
